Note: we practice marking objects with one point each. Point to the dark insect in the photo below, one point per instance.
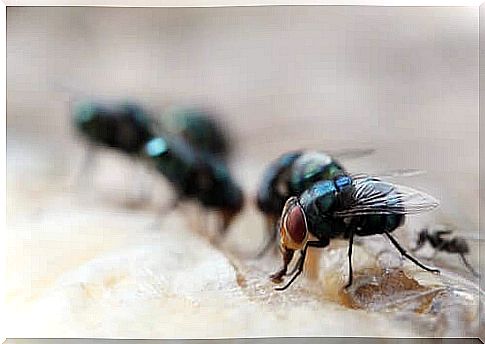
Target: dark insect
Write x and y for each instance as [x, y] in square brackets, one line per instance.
[124, 127]
[290, 175]
[450, 244]
[341, 208]
[196, 175]
[199, 128]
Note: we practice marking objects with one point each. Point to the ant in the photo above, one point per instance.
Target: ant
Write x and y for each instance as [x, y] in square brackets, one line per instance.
[453, 244]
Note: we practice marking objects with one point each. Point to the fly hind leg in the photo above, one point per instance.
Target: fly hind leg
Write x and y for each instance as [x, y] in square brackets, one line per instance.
[407, 255]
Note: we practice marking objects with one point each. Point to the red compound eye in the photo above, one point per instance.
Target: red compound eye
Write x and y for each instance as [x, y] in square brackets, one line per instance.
[295, 224]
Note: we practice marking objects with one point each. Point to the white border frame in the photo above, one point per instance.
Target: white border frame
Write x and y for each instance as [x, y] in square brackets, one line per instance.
[155, 3]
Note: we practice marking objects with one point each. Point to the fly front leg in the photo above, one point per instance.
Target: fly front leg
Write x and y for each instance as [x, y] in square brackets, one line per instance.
[287, 258]
[311, 266]
[301, 261]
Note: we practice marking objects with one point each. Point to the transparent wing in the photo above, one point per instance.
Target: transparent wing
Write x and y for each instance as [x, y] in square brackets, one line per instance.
[351, 153]
[371, 195]
[404, 172]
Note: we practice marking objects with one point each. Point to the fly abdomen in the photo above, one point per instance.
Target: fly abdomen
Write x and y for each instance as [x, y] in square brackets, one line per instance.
[378, 224]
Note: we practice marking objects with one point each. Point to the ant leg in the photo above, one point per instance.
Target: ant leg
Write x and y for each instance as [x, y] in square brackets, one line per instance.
[271, 239]
[301, 260]
[351, 241]
[468, 265]
[405, 254]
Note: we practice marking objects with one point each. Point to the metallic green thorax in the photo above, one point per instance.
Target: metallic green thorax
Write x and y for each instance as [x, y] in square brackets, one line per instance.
[318, 202]
[312, 167]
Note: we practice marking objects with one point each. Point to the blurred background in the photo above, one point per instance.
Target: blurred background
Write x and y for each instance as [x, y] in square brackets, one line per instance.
[401, 80]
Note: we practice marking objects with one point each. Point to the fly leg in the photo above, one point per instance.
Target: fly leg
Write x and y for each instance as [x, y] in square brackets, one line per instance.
[351, 242]
[287, 258]
[301, 261]
[298, 262]
[311, 265]
[405, 254]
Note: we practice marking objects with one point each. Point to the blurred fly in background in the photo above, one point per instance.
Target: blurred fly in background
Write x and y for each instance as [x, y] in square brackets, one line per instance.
[197, 175]
[186, 145]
